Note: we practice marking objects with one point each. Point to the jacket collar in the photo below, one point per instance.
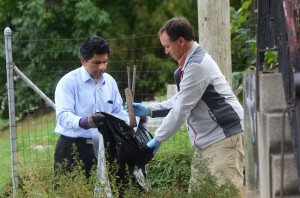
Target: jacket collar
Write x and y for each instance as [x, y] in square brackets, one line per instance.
[191, 52]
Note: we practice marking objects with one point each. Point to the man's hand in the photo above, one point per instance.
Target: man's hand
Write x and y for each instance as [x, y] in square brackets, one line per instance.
[154, 144]
[140, 110]
[92, 121]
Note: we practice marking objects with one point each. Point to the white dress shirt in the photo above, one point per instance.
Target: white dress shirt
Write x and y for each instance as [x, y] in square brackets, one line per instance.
[76, 96]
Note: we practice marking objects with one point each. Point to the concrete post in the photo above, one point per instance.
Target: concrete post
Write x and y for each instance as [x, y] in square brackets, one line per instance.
[214, 33]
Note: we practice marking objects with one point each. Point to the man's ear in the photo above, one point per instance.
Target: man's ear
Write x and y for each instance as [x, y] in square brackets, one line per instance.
[181, 41]
[82, 60]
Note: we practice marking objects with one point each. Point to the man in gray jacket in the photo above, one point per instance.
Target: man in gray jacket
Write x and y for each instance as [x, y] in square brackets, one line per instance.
[204, 101]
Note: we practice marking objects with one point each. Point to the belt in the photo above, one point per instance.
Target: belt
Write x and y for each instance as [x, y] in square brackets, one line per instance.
[79, 139]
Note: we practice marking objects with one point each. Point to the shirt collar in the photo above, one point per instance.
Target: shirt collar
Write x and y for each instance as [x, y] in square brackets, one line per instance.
[84, 74]
[183, 58]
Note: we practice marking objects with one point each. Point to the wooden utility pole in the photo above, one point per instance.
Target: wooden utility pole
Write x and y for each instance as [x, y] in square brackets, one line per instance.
[214, 32]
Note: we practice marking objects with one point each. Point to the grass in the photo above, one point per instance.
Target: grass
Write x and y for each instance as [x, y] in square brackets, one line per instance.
[5, 164]
[5, 155]
[168, 176]
[35, 142]
[168, 171]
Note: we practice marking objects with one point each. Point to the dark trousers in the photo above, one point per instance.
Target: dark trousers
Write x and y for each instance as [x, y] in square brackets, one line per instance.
[67, 148]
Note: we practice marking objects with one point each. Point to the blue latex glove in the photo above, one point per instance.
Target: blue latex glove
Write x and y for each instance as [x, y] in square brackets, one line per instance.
[154, 144]
[140, 110]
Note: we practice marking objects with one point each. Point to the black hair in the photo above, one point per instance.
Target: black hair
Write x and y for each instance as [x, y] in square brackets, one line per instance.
[94, 45]
[178, 27]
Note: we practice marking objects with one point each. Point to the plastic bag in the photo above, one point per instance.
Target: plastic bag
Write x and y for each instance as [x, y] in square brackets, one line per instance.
[124, 144]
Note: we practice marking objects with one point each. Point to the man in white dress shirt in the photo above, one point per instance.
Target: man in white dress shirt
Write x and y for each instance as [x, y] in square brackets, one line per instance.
[78, 96]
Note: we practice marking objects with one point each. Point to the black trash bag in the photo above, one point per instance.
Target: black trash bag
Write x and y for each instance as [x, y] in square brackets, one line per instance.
[125, 145]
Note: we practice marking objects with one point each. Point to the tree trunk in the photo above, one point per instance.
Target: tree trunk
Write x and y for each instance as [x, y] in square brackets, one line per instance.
[214, 32]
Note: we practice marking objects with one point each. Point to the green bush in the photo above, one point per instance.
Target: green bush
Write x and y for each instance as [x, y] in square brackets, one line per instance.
[168, 176]
[168, 172]
[170, 168]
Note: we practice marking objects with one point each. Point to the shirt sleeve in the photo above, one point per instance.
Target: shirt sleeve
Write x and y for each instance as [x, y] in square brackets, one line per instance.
[65, 105]
[168, 104]
[161, 109]
[192, 86]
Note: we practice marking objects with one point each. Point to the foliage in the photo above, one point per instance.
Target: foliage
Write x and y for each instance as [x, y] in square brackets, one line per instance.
[206, 184]
[170, 168]
[47, 35]
[243, 39]
[271, 61]
[168, 176]
[243, 43]
[168, 172]
[42, 45]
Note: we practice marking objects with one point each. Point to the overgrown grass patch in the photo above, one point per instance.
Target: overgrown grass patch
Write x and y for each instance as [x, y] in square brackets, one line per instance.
[168, 172]
[35, 143]
[170, 169]
[168, 176]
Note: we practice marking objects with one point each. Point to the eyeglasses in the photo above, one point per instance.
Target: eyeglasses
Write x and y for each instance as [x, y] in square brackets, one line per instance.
[100, 63]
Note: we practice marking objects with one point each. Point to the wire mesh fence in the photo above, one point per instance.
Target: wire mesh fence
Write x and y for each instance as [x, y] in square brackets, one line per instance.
[45, 61]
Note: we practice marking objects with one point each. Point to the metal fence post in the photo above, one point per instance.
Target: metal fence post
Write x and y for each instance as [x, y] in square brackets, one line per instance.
[11, 105]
